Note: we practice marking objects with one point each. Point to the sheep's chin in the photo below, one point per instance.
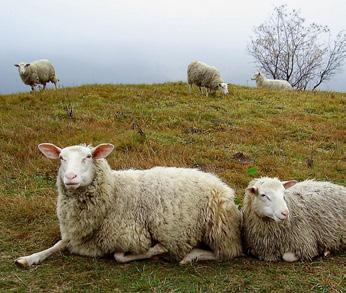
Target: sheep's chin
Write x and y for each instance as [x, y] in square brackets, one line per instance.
[277, 219]
[71, 186]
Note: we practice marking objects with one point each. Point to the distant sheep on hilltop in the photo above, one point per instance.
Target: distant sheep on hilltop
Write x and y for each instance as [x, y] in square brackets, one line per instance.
[263, 82]
[37, 72]
[205, 76]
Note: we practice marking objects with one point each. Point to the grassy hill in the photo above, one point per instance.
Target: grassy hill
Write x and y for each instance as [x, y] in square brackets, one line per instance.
[251, 132]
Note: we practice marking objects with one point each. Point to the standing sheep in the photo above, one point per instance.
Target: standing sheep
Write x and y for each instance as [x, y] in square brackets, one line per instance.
[205, 76]
[37, 72]
[263, 82]
[293, 223]
[136, 214]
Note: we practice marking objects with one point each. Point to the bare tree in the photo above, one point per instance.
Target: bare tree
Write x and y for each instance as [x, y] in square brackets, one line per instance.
[286, 48]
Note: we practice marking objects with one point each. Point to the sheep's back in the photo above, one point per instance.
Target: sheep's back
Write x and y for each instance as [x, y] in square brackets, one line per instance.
[203, 75]
[323, 204]
[44, 70]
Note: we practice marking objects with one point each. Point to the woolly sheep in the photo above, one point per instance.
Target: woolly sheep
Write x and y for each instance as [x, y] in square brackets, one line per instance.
[37, 72]
[205, 76]
[263, 82]
[136, 214]
[293, 223]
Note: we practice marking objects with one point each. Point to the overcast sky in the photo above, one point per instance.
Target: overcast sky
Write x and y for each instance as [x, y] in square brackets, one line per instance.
[142, 41]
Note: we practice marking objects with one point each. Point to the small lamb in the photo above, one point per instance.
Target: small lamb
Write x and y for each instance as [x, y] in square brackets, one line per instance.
[205, 76]
[263, 82]
[37, 72]
[136, 214]
[293, 221]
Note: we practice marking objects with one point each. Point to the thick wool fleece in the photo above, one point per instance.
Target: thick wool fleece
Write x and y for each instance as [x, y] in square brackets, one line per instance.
[39, 72]
[130, 211]
[317, 223]
[203, 75]
[263, 82]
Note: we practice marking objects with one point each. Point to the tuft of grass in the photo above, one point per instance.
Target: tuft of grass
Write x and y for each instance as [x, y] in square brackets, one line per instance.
[249, 133]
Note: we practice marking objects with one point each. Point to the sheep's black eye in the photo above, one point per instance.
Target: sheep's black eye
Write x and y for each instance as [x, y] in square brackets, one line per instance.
[61, 158]
[88, 156]
[264, 195]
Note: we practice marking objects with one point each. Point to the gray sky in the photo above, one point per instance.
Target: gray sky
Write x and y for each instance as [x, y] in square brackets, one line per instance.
[142, 41]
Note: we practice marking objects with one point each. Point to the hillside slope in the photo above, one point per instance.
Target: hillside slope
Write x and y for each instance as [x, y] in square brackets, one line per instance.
[250, 132]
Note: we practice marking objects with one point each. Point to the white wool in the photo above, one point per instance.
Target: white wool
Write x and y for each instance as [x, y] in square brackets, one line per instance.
[37, 72]
[300, 222]
[263, 82]
[205, 76]
[104, 211]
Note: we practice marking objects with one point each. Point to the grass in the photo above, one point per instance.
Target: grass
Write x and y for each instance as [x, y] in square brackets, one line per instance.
[251, 132]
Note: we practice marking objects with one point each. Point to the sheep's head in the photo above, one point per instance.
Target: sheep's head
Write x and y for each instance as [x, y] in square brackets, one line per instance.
[22, 67]
[76, 162]
[269, 198]
[257, 76]
[223, 87]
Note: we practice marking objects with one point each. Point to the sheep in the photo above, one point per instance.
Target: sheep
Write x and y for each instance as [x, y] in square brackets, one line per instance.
[293, 221]
[205, 76]
[263, 82]
[136, 214]
[37, 72]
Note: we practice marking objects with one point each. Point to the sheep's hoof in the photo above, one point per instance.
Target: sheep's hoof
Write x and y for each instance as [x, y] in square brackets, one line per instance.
[187, 260]
[21, 262]
[326, 253]
[120, 257]
[289, 257]
[184, 262]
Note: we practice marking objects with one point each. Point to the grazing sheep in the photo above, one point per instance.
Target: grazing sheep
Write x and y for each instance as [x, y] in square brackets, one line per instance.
[136, 214]
[205, 76]
[263, 82]
[37, 72]
[299, 223]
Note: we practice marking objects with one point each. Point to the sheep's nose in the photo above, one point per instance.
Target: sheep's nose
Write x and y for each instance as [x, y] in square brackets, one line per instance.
[70, 176]
[285, 213]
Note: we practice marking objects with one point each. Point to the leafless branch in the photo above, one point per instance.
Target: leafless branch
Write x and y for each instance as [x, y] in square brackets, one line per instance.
[286, 48]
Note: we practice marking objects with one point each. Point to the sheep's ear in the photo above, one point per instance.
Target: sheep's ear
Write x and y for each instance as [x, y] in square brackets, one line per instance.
[50, 150]
[27, 64]
[288, 184]
[102, 150]
[251, 190]
[17, 65]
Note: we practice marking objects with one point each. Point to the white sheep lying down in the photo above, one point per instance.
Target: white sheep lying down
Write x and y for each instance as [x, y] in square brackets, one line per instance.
[205, 76]
[136, 214]
[37, 72]
[293, 221]
[263, 82]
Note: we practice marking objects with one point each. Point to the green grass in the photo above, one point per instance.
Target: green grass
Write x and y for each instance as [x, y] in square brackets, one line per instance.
[249, 133]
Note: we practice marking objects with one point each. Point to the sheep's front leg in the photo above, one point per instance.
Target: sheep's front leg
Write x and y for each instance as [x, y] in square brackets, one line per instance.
[155, 250]
[198, 254]
[36, 258]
